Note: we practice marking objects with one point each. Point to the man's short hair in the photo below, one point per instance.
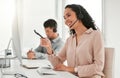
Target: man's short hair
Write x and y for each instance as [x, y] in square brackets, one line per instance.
[51, 23]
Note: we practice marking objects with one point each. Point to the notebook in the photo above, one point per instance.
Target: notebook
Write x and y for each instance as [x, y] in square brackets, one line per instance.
[27, 65]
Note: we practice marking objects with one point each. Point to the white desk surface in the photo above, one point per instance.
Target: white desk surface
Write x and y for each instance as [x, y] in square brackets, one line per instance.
[32, 73]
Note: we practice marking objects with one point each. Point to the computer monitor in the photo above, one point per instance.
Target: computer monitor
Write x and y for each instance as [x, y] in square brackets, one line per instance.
[16, 45]
[16, 40]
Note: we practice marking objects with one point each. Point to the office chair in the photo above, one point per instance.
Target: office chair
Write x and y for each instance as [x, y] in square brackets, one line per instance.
[109, 61]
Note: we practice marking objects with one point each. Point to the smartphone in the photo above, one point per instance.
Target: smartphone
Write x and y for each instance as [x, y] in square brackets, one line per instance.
[38, 34]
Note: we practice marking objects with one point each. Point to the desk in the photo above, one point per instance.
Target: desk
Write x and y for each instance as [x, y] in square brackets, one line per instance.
[32, 73]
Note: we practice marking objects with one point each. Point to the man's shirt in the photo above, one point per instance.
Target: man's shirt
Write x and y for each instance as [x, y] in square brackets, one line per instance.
[56, 43]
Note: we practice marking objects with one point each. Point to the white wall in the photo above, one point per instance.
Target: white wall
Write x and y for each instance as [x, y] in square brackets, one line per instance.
[112, 30]
[34, 13]
[7, 12]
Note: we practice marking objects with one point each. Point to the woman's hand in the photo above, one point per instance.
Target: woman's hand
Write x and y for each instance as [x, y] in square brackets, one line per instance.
[61, 67]
[45, 42]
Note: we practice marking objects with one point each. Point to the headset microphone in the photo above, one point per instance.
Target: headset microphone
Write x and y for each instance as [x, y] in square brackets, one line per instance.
[73, 23]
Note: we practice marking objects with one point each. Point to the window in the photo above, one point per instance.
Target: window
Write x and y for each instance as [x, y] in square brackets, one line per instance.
[7, 12]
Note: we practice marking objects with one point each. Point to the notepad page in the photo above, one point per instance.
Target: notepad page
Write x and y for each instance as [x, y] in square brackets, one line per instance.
[30, 63]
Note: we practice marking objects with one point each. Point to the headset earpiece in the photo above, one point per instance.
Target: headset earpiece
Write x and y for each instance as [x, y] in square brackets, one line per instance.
[54, 30]
[80, 15]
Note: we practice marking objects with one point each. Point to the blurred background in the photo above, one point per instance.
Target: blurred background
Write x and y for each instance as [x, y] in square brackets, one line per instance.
[26, 15]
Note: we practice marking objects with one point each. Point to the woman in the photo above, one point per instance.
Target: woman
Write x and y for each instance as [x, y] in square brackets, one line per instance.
[83, 50]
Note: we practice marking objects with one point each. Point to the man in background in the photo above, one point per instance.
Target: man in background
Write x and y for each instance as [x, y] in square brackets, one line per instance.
[50, 27]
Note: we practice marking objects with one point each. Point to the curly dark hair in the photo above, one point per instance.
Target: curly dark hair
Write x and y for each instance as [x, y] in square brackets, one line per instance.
[82, 15]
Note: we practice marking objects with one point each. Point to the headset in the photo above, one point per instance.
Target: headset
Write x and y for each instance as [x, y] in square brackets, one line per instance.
[80, 15]
[55, 29]
[51, 23]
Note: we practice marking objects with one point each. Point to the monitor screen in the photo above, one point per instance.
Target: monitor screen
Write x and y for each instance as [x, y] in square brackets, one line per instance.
[16, 39]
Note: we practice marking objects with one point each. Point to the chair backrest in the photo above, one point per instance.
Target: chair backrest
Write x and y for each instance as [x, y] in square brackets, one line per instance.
[109, 60]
